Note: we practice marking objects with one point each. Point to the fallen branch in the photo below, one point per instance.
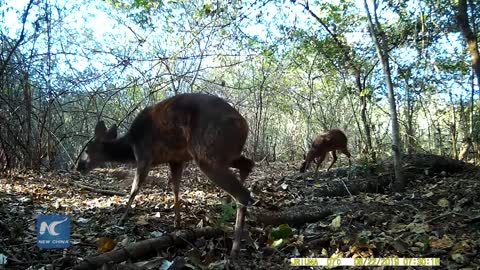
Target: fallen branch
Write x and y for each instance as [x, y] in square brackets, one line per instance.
[339, 188]
[97, 190]
[295, 215]
[150, 246]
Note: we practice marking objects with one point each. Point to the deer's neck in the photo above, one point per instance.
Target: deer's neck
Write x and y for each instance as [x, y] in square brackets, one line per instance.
[119, 150]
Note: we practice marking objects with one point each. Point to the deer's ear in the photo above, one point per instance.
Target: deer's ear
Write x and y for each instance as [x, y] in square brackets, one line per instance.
[111, 133]
[100, 130]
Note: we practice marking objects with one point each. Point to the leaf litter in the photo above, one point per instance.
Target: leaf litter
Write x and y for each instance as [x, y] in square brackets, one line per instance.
[437, 216]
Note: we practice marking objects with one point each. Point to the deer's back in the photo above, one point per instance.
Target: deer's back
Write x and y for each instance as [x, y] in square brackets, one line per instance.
[186, 125]
[333, 139]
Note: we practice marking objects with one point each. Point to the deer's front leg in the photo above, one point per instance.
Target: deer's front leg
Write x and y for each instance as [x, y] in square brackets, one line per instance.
[176, 170]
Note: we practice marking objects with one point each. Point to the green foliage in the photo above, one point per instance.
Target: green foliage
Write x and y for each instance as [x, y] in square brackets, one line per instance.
[145, 4]
[363, 166]
[207, 9]
[228, 213]
[364, 237]
[280, 235]
[283, 231]
[277, 65]
[366, 92]
[140, 11]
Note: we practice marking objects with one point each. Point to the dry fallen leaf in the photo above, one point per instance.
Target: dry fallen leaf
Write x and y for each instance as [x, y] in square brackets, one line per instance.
[418, 227]
[443, 203]
[142, 220]
[105, 244]
[337, 222]
[443, 243]
[461, 247]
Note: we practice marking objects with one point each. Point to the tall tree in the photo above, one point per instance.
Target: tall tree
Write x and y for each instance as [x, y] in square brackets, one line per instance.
[381, 44]
[464, 23]
[468, 34]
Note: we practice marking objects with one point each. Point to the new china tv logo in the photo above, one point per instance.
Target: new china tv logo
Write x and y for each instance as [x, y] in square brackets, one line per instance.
[53, 231]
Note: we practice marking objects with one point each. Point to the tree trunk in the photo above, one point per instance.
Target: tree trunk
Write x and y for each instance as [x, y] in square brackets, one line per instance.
[469, 36]
[440, 140]
[258, 119]
[472, 45]
[453, 127]
[51, 104]
[363, 114]
[409, 130]
[382, 52]
[27, 99]
[467, 144]
[471, 114]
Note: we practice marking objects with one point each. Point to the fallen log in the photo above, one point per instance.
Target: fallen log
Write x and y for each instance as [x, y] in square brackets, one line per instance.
[295, 215]
[144, 248]
[335, 188]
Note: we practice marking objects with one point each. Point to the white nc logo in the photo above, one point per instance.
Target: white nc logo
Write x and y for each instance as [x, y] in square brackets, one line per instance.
[44, 226]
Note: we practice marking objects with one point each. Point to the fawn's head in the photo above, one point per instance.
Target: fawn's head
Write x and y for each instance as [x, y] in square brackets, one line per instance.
[307, 159]
[94, 154]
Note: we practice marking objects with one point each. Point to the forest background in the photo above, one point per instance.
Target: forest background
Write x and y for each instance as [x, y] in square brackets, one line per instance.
[390, 73]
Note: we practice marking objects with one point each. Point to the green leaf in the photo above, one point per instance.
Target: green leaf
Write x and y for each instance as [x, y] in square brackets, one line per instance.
[283, 231]
[208, 8]
[364, 236]
[365, 92]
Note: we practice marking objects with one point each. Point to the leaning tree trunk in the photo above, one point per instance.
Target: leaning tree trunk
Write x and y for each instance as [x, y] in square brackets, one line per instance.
[469, 36]
[382, 52]
[472, 45]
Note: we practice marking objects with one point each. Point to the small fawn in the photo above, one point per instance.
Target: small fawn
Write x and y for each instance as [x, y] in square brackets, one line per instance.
[331, 141]
[198, 127]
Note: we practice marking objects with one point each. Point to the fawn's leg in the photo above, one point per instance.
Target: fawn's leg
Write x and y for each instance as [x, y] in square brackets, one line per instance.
[318, 166]
[305, 165]
[347, 153]
[320, 159]
[334, 159]
[176, 170]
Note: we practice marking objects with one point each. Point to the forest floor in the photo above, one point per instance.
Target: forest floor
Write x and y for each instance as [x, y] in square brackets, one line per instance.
[438, 216]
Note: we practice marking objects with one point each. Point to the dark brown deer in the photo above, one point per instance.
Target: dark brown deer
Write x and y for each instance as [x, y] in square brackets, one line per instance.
[331, 141]
[198, 127]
